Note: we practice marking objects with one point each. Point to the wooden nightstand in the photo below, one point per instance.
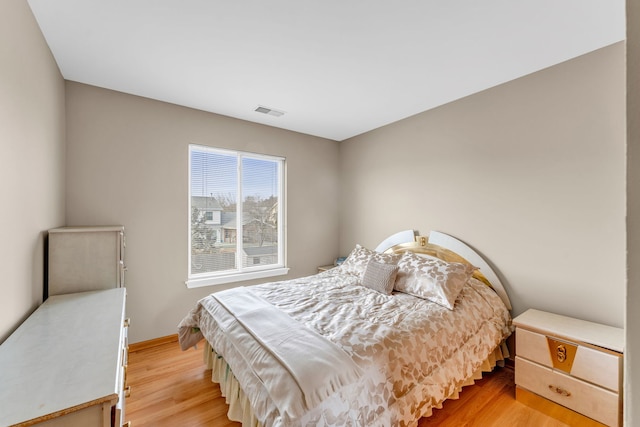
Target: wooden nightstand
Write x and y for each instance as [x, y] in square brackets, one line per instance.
[569, 362]
[325, 268]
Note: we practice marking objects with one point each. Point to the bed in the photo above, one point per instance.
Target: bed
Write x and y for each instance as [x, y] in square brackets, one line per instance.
[380, 340]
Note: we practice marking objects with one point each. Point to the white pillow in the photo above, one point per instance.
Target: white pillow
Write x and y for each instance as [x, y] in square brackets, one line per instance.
[432, 279]
[358, 259]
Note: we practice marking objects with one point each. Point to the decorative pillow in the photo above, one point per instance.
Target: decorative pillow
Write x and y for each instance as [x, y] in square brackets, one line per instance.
[432, 279]
[358, 259]
[380, 276]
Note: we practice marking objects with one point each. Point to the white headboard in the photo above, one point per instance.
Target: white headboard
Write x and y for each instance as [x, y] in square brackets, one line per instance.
[466, 252]
[407, 239]
[405, 236]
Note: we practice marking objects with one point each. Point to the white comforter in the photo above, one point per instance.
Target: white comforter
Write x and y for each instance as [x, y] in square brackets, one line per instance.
[308, 367]
[413, 353]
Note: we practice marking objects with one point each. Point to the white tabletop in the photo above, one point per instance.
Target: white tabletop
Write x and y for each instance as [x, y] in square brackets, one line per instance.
[64, 355]
[581, 330]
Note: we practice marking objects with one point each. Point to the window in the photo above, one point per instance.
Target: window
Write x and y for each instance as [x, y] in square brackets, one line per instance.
[236, 227]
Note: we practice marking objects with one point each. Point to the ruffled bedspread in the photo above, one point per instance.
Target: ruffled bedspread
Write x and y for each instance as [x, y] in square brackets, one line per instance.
[413, 353]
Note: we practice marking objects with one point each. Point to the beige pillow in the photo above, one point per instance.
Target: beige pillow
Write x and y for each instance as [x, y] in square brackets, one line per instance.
[380, 276]
[432, 279]
[358, 259]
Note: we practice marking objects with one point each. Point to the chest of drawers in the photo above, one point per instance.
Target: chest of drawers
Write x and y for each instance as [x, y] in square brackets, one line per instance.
[85, 259]
[570, 362]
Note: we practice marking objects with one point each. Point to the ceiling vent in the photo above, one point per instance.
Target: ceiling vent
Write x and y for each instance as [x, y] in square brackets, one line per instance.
[269, 111]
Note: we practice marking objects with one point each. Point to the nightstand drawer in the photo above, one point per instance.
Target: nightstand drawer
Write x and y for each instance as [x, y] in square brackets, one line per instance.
[594, 402]
[600, 367]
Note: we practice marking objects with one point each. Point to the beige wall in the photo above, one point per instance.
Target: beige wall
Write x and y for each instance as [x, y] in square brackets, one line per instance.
[530, 173]
[632, 348]
[127, 164]
[546, 206]
[32, 159]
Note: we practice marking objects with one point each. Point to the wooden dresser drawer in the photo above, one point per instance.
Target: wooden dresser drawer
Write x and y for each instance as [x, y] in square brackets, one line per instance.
[597, 366]
[595, 402]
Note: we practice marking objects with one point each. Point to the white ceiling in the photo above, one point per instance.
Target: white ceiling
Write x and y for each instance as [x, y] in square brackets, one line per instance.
[338, 68]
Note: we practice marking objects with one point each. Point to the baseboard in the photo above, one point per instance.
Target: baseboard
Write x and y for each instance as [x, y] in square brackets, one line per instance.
[143, 345]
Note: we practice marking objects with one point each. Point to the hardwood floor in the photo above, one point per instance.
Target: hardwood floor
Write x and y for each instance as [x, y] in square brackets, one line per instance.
[170, 387]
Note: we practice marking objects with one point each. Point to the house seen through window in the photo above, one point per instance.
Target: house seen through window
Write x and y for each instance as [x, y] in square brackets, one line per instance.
[236, 216]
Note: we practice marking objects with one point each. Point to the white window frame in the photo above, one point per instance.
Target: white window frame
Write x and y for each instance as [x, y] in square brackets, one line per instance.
[241, 273]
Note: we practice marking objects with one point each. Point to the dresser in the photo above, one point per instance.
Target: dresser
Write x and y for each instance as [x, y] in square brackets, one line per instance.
[85, 259]
[66, 364]
[566, 366]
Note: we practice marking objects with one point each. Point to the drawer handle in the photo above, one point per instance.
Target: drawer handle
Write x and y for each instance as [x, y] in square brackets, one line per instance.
[559, 390]
[127, 391]
[561, 353]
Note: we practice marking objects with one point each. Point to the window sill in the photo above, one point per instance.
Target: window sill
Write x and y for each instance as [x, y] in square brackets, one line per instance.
[237, 277]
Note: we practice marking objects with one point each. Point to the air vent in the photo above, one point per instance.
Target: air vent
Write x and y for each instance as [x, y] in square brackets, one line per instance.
[269, 111]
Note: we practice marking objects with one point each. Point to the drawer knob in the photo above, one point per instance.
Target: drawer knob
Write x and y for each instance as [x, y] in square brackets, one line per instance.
[561, 353]
[127, 391]
[559, 390]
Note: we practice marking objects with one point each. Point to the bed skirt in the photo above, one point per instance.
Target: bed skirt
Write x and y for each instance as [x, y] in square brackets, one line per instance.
[240, 409]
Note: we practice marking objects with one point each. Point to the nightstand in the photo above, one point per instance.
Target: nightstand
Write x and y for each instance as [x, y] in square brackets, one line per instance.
[325, 268]
[572, 363]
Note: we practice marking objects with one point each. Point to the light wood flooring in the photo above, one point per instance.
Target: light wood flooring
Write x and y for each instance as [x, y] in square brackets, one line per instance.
[170, 387]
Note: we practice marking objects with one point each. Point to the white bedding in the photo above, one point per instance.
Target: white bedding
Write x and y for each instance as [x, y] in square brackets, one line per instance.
[413, 353]
[299, 367]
